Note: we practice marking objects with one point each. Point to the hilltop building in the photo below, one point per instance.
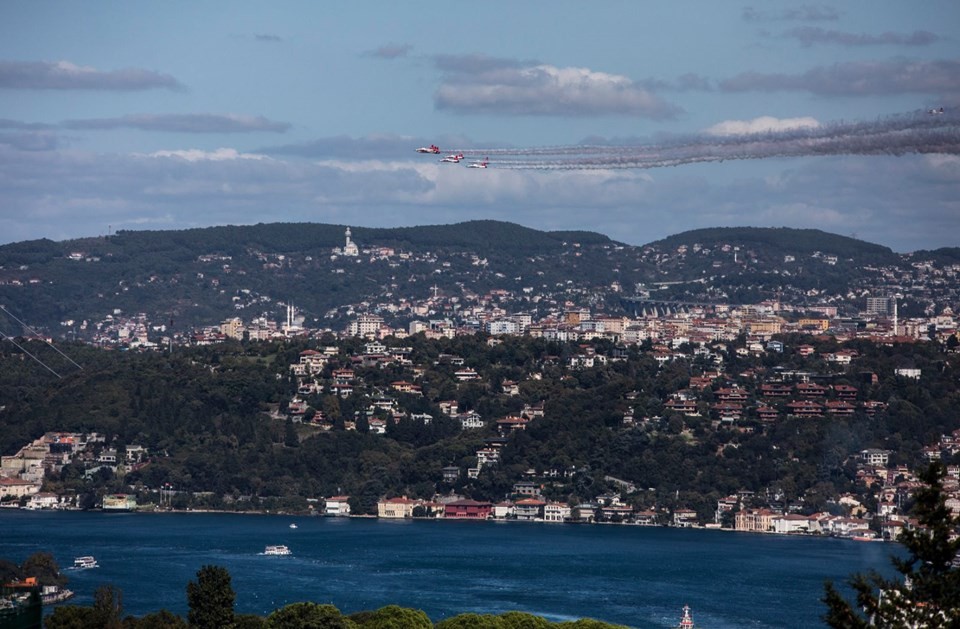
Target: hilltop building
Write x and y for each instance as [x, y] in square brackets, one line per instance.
[350, 248]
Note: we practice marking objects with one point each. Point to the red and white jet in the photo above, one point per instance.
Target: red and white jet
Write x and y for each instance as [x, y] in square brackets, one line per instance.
[482, 164]
[453, 159]
[433, 148]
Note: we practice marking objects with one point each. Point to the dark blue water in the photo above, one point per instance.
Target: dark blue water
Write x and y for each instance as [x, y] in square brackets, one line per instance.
[636, 576]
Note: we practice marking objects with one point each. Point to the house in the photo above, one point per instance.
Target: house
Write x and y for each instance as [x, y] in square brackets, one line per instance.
[529, 509]
[397, 508]
[509, 387]
[466, 375]
[845, 391]
[811, 389]
[17, 488]
[556, 512]
[43, 500]
[502, 510]
[527, 488]
[585, 512]
[686, 407]
[874, 456]
[470, 419]
[754, 520]
[451, 474]
[511, 423]
[645, 518]
[684, 518]
[487, 456]
[839, 408]
[468, 509]
[767, 413]
[792, 523]
[776, 390]
[337, 506]
[805, 408]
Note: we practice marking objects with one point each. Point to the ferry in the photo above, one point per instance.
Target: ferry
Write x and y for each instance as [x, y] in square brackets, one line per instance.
[82, 563]
[687, 621]
[278, 549]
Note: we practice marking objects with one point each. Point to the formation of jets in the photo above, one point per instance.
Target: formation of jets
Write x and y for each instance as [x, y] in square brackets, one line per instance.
[453, 158]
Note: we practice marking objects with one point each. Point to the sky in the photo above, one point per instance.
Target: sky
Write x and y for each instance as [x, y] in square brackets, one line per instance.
[172, 115]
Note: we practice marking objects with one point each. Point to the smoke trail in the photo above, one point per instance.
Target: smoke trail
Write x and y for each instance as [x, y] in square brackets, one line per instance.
[916, 132]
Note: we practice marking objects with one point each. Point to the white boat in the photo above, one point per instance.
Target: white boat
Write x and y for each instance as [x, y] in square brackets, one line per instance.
[293, 525]
[87, 561]
[686, 622]
[278, 549]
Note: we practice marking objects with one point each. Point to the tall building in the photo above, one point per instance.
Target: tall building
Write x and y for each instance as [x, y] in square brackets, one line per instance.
[880, 306]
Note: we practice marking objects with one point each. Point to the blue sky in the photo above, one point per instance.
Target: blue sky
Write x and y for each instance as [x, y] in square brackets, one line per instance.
[135, 115]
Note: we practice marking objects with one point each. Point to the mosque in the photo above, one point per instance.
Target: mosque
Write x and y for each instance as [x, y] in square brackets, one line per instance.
[349, 248]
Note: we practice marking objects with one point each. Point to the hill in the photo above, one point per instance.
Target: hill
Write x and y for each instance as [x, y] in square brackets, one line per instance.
[202, 276]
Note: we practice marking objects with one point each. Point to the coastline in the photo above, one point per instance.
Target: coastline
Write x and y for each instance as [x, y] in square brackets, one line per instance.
[435, 519]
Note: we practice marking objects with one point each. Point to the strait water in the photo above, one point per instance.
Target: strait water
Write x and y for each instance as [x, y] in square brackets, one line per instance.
[637, 576]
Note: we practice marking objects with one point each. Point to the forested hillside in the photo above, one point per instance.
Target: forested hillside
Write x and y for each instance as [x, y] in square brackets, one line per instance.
[203, 276]
[218, 419]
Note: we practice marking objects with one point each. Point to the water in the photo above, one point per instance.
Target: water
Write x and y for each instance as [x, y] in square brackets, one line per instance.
[636, 576]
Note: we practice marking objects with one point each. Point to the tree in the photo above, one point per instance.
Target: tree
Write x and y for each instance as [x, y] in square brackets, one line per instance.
[394, 617]
[44, 567]
[211, 599]
[308, 616]
[162, 619]
[471, 621]
[108, 607]
[928, 595]
[71, 617]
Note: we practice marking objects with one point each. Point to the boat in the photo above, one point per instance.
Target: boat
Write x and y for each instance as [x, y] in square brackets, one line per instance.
[87, 561]
[293, 525]
[687, 621]
[278, 549]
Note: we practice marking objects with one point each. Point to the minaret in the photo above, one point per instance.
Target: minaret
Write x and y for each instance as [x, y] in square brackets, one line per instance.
[348, 238]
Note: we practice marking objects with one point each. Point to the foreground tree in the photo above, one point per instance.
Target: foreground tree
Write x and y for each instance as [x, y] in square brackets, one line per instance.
[308, 616]
[393, 617]
[928, 594]
[211, 599]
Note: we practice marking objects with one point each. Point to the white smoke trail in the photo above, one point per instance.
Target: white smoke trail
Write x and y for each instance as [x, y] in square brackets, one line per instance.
[916, 132]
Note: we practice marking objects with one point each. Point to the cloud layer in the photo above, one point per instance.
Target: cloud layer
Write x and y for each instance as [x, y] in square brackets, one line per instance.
[476, 84]
[64, 75]
[183, 123]
[809, 35]
[857, 78]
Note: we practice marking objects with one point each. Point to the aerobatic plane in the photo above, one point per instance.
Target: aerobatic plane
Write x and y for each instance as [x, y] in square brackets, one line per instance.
[453, 159]
[433, 148]
[482, 164]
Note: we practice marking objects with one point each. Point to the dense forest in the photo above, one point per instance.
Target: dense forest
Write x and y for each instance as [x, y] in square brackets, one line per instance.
[215, 423]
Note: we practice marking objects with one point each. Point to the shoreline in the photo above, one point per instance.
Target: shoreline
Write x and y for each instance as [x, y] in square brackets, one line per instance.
[430, 519]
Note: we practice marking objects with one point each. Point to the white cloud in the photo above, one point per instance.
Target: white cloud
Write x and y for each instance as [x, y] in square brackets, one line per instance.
[762, 124]
[197, 155]
[491, 86]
